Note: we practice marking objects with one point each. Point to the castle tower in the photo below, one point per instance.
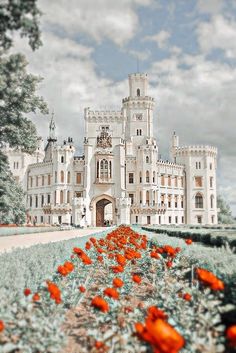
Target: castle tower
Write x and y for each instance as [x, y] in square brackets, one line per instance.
[52, 139]
[200, 189]
[138, 109]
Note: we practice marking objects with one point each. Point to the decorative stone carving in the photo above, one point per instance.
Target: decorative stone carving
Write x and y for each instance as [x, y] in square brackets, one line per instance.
[104, 140]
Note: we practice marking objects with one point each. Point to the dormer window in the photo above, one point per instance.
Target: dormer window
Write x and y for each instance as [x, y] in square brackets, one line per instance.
[138, 92]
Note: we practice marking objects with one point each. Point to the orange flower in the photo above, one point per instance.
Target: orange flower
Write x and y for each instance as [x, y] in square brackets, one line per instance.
[36, 297]
[111, 292]
[62, 270]
[155, 313]
[54, 291]
[69, 266]
[2, 326]
[93, 240]
[169, 250]
[117, 282]
[117, 269]
[209, 279]
[231, 335]
[27, 292]
[121, 259]
[82, 289]
[161, 335]
[100, 303]
[88, 245]
[188, 241]
[137, 279]
[155, 255]
[187, 297]
[86, 260]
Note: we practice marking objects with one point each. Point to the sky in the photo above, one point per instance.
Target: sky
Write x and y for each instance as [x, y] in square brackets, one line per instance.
[187, 48]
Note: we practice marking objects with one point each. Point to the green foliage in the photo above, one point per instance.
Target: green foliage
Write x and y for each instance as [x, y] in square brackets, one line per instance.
[12, 197]
[225, 214]
[21, 16]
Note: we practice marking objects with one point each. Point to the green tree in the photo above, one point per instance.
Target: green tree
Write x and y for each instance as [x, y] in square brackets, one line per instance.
[18, 98]
[225, 214]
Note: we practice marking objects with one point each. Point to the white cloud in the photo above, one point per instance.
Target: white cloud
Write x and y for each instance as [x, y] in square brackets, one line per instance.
[218, 33]
[161, 39]
[100, 19]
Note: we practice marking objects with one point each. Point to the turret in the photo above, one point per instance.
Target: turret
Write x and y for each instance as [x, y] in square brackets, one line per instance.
[52, 139]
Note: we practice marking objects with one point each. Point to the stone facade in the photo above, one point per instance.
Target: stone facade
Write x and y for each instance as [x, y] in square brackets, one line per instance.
[120, 179]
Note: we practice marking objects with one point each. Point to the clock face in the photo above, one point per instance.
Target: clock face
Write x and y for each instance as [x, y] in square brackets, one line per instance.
[139, 116]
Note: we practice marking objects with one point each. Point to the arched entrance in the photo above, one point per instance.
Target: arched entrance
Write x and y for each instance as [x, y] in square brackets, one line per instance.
[103, 210]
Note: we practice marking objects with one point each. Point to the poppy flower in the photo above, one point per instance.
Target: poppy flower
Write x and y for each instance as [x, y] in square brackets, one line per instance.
[209, 279]
[100, 303]
[111, 292]
[121, 260]
[100, 258]
[231, 335]
[117, 282]
[117, 269]
[36, 297]
[86, 260]
[169, 264]
[187, 297]
[69, 266]
[54, 291]
[154, 255]
[82, 289]
[137, 279]
[154, 313]
[188, 241]
[27, 292]
[2, 326]
[161, 335]
[87, 245]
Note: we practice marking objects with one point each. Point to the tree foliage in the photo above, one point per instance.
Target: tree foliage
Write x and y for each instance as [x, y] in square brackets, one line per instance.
[18, 98]
[225, 214]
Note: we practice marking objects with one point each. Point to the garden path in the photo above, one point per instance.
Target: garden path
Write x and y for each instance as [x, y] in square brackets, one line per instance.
[9, 243]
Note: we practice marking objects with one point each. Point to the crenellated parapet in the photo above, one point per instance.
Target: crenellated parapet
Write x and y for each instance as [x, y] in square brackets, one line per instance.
[103, 116]
[195, 150]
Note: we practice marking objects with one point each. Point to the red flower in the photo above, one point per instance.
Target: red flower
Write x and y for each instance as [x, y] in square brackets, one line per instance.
[54, 291]
[2, 326]
[88, 245]
[154, 255]
[188, 241]
[117, 282]
[36, 297]
[187, 297]
[93, 240]
[169, 250]
[100, 303]
[161, 335]
[82, 289]
[86, 260]
[27, 292]
[155, 313]
[178, 249]
[117, 269]
[231, 335]
[209, 279]
[121, 259]
[111, 292]
[62, 270]
[137, 279]
[100, 258]
[169, 264]
[69, 266]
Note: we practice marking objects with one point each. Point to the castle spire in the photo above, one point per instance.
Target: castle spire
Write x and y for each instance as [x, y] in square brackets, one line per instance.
[52, 129]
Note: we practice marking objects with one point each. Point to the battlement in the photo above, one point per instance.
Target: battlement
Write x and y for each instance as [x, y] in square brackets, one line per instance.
[195, 149]
[102, 115]
[168, 163]
[138, 100]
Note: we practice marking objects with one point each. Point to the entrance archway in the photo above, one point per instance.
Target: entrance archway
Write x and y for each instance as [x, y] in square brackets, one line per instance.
[103, 209]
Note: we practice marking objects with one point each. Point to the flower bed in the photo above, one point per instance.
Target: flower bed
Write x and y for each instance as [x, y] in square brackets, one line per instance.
[124, 292]
[212, 237]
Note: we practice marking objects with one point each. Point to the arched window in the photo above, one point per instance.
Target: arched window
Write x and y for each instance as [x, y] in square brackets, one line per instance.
[68, 177]
[61, 196]
[212, 201]
[62, 176]
[198, 201]
[138, 92]
[147, 159]
[147, 176]
[147, 198]
[104, 169]
[68, 196]
[62, 159]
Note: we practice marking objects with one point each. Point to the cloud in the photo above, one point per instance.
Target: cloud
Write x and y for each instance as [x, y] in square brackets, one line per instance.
[210, 7]
[98, 19]
[218, 33]
[161, 39]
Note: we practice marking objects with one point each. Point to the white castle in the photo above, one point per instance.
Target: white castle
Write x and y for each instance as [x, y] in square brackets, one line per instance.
[119, 179]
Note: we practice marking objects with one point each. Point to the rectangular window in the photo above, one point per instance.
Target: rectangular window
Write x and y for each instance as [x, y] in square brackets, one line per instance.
[148, 219]
[212, 219]
[41, 219]
[169, 219]
[159, 219]
[176, 181]
[136, 219]
[163, 180]
[131, 196]
[176, 202]
[182, 219]
[49, 198]
[198, 182]
[210, 166]
[42, 200]
[37, 181]
[49, 179]
[199, 219]
[55, 177]
[211, 182]
[176, 219]
[42, 180]
[78, 178]
[36, 201]
[169, 180]
[131, 178]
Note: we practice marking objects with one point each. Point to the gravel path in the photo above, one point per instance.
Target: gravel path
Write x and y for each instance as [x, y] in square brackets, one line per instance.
[8, 243]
